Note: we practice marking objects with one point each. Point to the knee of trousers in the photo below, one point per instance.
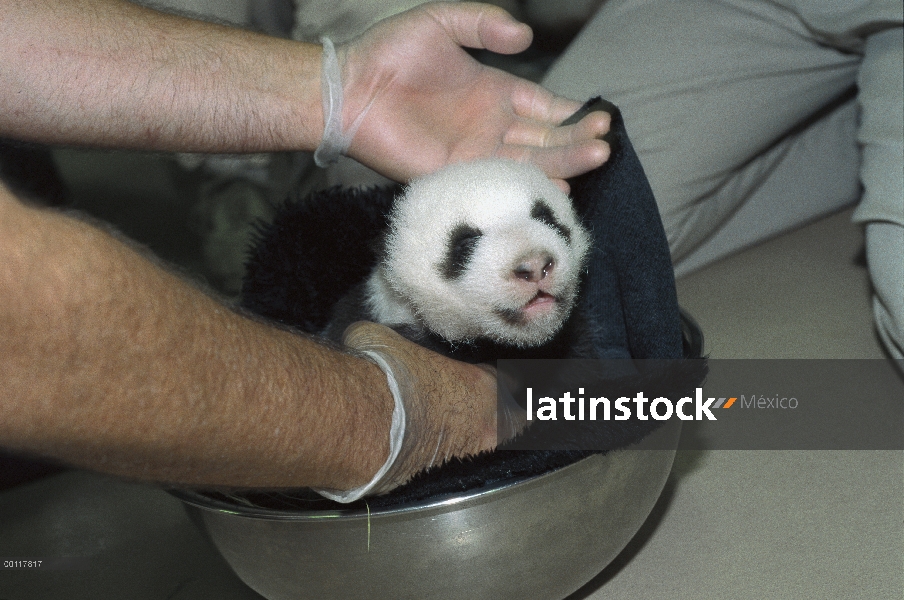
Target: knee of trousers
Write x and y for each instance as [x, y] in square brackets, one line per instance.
[885, 257]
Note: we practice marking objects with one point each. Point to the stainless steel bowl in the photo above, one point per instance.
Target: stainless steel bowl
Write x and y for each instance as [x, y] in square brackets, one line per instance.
[537, 539]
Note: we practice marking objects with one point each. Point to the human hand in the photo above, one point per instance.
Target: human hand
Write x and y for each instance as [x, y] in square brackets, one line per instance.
[450, 407]
[428, 103]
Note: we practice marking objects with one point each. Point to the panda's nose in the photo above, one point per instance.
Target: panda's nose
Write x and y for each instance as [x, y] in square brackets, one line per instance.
[534, 268]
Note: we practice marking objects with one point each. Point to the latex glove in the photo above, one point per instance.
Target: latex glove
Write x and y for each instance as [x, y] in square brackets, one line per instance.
[422, 102]
[450, 407]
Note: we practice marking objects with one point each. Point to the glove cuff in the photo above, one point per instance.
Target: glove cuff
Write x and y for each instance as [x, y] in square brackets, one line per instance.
[396, 436]
[334, 142]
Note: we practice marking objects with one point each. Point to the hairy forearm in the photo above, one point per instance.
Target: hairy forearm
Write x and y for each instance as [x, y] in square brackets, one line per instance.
[114, 74]
[111, 363]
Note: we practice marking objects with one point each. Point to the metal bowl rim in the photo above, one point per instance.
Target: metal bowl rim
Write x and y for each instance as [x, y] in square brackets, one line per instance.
[200, 500]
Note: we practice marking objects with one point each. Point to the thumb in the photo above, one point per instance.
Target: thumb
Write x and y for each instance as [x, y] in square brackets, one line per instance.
[477, 25]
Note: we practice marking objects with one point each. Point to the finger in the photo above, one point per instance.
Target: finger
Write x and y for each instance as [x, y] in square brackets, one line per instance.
[477, 25]
[562, 162]
[535, 102]
[562, 185]
[531, 133]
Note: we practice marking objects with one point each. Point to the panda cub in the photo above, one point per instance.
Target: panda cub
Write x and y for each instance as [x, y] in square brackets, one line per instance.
[489, 250]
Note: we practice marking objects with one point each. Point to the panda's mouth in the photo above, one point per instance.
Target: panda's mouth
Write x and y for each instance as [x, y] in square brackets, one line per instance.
[542, 301]
[541, 304]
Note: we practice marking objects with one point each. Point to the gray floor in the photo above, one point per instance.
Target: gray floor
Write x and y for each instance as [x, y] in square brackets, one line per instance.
[776, 524]
[735, 524]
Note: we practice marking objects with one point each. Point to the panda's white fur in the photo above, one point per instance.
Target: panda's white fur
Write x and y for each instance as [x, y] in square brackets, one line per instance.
[518, 261]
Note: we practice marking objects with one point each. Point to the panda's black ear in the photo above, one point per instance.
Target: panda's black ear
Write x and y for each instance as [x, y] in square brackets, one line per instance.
[541, 212]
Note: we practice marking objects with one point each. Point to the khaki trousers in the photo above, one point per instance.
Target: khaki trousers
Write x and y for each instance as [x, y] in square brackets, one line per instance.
[753, 117]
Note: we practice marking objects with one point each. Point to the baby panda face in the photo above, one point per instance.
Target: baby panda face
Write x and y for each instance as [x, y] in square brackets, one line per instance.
[484, 250]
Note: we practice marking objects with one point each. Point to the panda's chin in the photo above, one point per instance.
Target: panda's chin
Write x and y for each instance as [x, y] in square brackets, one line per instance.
[534, 323]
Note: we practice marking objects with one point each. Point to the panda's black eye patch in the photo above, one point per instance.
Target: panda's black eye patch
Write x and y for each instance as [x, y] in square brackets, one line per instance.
[460, 246]
[541, 212]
